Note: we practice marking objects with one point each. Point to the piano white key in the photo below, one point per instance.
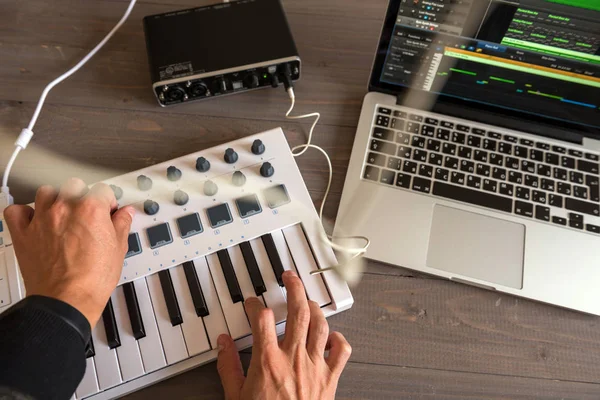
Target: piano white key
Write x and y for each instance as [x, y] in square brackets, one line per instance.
[305, 263]
[107, 365]
[171, 336]
[215, 322]
[241, 272]
[193, 325]
[235, 316]
[274, 296]
[284, 251]
[128, 352]
[151, 347]
[89, 384]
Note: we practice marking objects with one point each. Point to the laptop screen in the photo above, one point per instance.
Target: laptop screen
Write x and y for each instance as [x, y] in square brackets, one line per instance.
[539, 57]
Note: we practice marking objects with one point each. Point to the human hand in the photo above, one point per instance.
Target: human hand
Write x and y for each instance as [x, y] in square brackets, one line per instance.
[296, 368]
[71, 248]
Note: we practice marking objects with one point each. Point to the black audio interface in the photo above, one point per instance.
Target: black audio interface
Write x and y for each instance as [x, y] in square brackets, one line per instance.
[221, 49]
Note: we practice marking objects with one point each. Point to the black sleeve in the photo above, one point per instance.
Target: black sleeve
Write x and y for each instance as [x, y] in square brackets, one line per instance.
[42, 349]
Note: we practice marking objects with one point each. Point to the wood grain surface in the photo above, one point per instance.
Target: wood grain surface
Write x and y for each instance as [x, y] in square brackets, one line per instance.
[414, 336]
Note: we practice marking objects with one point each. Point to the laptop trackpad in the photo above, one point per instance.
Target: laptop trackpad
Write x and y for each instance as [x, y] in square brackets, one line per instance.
[477, 246]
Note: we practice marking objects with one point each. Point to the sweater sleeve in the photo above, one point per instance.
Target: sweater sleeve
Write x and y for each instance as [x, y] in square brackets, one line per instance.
[42, 349]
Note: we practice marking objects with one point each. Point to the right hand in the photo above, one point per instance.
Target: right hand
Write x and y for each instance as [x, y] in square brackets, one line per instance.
[296, 368]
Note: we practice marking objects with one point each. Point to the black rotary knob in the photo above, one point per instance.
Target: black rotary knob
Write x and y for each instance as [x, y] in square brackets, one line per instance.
[210, 188]
[173, 174]
[239, 179]
[151, 207]
[274, 81]
[117, 191]
[144, 183]
[252, 81]
[181, 198]
[230, 156]
[267, 170]
[202, 164]
[258, 147]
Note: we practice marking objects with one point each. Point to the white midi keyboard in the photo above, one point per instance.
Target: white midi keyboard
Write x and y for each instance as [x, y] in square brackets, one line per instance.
[212, 229]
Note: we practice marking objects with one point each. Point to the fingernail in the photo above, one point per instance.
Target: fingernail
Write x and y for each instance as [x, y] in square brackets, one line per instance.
[222, 342]
[289, 274]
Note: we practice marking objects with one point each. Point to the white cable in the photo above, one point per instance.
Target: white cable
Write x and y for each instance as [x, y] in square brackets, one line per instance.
[27, 134]
[353, 251]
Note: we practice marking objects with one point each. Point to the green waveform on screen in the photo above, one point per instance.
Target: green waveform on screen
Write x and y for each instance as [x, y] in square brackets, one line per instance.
[587, 4]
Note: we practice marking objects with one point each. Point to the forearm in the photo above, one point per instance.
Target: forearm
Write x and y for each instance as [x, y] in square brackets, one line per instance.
[42, 351]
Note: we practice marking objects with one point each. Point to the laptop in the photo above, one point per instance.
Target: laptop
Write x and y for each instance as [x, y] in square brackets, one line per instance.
[477, 152]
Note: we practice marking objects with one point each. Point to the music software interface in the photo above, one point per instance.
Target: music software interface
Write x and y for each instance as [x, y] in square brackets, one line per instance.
[537, 56]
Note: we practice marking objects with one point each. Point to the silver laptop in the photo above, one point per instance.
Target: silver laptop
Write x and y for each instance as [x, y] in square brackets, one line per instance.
[477, 152]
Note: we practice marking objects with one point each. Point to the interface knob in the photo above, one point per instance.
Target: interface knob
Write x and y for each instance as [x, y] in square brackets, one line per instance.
[151, 207]
[239, 179]
[117, 191]
[258, 147]
[252, 81]
[267, 170]
[274, 81]
[202, 164]
[210, 188]
[181, 198]
[230, 156]
[173, 174]
[144, 183]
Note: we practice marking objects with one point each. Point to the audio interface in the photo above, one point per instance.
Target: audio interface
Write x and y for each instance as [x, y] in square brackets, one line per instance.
[220, 49]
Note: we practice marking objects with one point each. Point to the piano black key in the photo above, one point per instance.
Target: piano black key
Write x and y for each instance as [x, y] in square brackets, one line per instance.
[195, 289]
[274, 257]
[253, 270]
[170, 299]
[89, 349]
[133, 309]
[230, 278]
[110, 326]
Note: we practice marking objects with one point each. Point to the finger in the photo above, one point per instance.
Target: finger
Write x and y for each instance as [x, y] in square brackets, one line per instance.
[230, 368]
[318, 332]
[73, 189]
[104, 194]
[262, 322]
[339, 353]
[298, 318]
[122, 220]
[18, 218]
[45, 197]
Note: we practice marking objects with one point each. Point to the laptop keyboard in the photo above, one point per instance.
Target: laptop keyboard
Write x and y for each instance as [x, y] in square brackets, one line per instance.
[424, 153]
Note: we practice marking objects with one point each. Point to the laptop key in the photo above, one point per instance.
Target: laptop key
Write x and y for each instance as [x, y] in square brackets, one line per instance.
[387, 177]
[563, 188]
[434, 145]
[490, 185]
[575, 224]
[376, 159]
[586, 166]
[553, 159]
[521, 152]
[463, 128]
[404, 152]
[592, 228]
[413, 127]
[575, 153]
[528, 166]
[536, 155]
[418, 141]
[443, 134]
[385, 111]
[511, 162]
[548, 184]
[495, 135]
[559, 221]
[582, 206]
[524, 209]
[447, 124]
[567, 162]
[580, 192]
[442, 174]
[480, 155]
[489, 144]
[507, 189]
[510, 139]
[515, 177]
[436, 159]
[523, 193]
[451, 162]
[426, 171]
[542, 213]
[384, 147]
[410, 167]
[555, 200]
[496, 159]
[458, 178]
[483, 170]
[532, 181]
[458, 137]
[428, 130]
[592, 157]
[382, 121]
[559, 149]
[543, 146]
[539, 197]
[403, 180]
[449, 148]
[383, 134]
[474, 141]
[394, 163]
[421, 185]
[474, 182]
[593, 182]
[371, 173]
[403, 138]
[576, 177]
[560, 173]
[474, 197]
[420, 155]
[467, 166]
[505, 148]
[544, 170]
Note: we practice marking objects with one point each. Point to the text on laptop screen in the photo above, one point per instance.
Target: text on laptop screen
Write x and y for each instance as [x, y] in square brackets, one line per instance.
[536, 56]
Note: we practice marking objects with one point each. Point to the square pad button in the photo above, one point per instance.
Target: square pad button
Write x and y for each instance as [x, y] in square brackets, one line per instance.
[277, 196]
[219, 215]
[135, 248]
[248, 206]
[159, 235]
[190, 225]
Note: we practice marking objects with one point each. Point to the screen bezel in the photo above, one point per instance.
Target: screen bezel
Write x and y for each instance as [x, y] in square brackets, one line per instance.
[472, 109]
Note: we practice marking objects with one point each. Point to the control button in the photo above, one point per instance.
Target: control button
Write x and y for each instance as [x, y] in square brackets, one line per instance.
[230, 156]
[252, 81]
[248, 206]
[274, 81]
[181, 198]
[151, 207]
[238, 179]
[219, 215]
[189, 225]
[267, 170]
[210, 188]
[159, 235]
[144, 183]
[277, 196]
[173, 174]
[202, 164]
[258, 147]
[116, 190]
[134, 246]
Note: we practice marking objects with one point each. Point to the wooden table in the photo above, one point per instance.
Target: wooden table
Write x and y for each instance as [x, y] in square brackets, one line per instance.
[414, 337]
